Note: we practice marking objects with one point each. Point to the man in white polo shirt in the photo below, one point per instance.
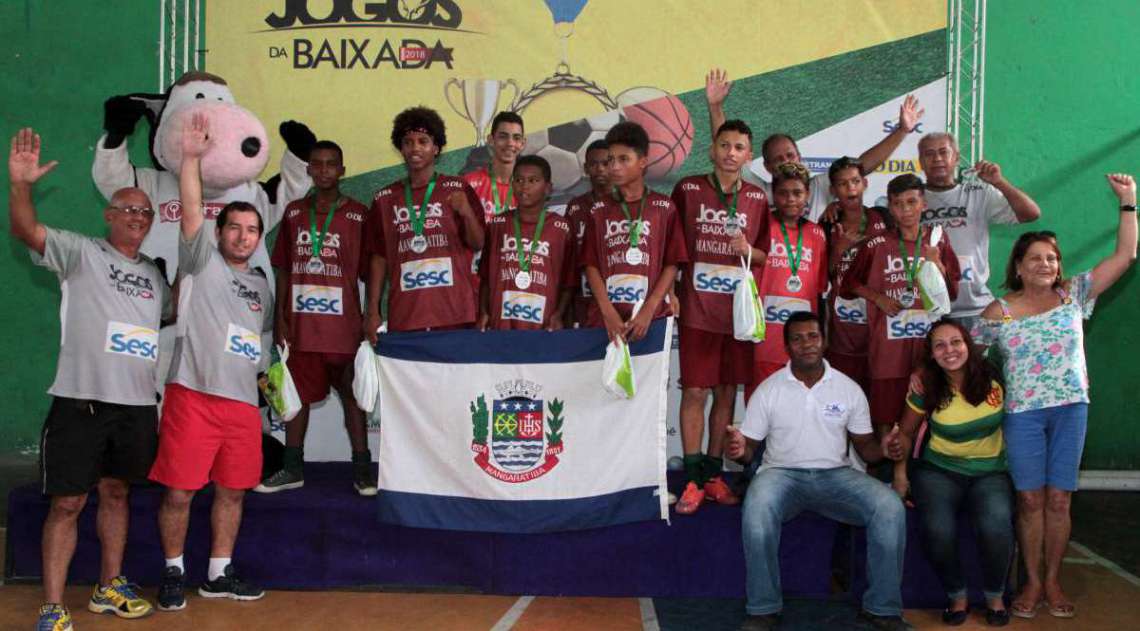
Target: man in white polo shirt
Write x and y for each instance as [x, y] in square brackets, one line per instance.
[806, 412]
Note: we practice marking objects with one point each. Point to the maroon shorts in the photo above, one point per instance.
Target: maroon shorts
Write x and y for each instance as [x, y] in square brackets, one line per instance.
[887, 400]
[203, 437]
[760, 372]
[315, 373]
[712, 359]
[854, 366]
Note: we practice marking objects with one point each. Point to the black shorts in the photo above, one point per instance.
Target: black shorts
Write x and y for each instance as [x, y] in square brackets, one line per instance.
[83, 441]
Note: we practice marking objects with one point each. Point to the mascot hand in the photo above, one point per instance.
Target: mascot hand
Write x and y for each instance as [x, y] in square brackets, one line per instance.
[120, 114]
[298, 138]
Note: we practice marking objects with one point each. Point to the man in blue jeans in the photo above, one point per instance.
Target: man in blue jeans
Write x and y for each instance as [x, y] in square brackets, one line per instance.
[806, 412]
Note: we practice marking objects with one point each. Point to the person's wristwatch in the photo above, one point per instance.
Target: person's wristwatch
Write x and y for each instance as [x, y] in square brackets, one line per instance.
[1128, 208]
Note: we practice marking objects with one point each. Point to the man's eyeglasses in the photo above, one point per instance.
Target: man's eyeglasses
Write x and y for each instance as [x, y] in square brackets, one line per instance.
[146, 211]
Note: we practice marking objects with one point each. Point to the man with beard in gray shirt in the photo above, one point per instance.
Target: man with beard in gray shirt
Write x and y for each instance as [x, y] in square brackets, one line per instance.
[211, 426]
[100, 432]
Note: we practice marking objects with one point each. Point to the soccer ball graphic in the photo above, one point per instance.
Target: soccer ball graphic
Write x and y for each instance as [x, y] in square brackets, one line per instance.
[564, 147]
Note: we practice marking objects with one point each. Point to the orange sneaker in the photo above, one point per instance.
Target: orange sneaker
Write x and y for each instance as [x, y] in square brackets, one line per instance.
[690, 500]
[717, 491]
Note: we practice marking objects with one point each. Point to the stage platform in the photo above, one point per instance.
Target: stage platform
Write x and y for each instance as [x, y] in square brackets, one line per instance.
[324, 536]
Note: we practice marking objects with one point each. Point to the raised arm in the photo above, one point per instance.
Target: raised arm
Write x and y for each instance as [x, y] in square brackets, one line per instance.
[1023, 205]
[24, 170]
[909, 115]
[1110, 269]
[717, 87]
[195, 141]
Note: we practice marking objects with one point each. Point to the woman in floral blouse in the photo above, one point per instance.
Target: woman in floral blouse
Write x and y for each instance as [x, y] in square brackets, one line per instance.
[1037, 328]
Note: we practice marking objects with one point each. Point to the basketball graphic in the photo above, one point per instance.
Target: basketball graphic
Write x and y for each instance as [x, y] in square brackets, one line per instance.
[666, 121]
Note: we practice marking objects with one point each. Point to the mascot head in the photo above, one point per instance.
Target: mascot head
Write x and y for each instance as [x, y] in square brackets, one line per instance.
[239, 147]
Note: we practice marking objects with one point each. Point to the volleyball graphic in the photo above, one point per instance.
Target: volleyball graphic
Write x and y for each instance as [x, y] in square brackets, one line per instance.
[668, 124]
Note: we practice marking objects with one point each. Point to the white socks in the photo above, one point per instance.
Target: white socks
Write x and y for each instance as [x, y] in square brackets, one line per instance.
[176, 562]
[217, 568]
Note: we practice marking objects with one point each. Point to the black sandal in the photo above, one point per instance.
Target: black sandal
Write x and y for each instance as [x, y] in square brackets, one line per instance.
[955, 618]
[997, 617]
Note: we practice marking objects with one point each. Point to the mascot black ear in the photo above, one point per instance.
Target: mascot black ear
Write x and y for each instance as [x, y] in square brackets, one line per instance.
[122, 113]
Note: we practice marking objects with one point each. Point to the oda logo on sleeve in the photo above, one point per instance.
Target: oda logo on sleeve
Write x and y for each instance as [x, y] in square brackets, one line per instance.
[717, 279]
[244, 343]
[852, 311]
[777, 309]
[627, 288]
[523, 306]
[131, 340]
[909, 323]
[318, 300]
[426, 274]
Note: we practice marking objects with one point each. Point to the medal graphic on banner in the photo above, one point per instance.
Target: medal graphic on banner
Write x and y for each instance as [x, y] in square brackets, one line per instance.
[418, 214]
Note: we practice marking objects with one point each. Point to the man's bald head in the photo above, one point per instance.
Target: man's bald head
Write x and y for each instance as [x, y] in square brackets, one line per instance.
[130, 196]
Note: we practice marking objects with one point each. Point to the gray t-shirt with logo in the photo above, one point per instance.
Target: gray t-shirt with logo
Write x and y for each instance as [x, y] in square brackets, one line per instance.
[221, 314]
[965, 212]
[109, 313]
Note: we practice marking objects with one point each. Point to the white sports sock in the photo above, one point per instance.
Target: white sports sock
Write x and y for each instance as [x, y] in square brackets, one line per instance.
[176, 562]
[217, 567]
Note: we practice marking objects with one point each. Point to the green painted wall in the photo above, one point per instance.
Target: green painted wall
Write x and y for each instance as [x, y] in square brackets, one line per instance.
[1061, 99]
[1061, 111]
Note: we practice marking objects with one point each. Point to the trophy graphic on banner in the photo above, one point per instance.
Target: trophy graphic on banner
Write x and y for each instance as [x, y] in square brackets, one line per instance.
[478, 101]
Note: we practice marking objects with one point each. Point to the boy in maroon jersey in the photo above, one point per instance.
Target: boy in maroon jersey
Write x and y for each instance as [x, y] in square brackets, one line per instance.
[883, 274]
[723, 218]
[528, 270]
[847, 319]
[596, 168]
[422, 233]
[633, 242]
[319, 258]
[493, 185]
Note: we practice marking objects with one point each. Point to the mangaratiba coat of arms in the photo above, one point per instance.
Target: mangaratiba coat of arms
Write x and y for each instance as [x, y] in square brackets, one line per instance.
[520, 437]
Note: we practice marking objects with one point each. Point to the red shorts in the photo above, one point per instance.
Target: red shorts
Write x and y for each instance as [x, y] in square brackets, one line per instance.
[315, 373]
[711, 359]
[854, 366]
[887, 399]
[203, 437]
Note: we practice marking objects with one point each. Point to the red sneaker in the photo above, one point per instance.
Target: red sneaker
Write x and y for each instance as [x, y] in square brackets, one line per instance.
[690, 500]
[717, 491]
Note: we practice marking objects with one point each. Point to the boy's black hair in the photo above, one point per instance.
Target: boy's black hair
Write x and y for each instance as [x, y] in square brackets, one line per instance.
[422, 119]
[629, 134]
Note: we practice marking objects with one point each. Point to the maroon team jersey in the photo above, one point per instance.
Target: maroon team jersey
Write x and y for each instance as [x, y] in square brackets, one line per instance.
[847, 334]
[435, 288]
[551, 270]
[323, 308]
[895, 343]
[713, 270]
[607, 239]
[779, 301]
[577, 211]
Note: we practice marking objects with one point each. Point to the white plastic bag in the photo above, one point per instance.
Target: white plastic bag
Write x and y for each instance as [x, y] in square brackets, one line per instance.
[279, 389]
[747, 314]
[931, 284]
[366, 377]
[617, 368]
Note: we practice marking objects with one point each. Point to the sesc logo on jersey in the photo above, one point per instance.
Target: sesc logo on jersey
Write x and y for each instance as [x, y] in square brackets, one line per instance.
[717, 279]
[523, 306]
[244, 343]
[426, 274]
[908, 324]
[627, 288]
[777, 309]
[131, 340]
[852, 311]
[318, 300]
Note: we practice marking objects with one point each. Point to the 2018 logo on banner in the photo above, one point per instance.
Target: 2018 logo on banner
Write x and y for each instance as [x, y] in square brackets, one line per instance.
[516, 440]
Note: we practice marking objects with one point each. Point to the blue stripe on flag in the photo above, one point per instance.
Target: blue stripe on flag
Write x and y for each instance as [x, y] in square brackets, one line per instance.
[440, 512]
[512, 347]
